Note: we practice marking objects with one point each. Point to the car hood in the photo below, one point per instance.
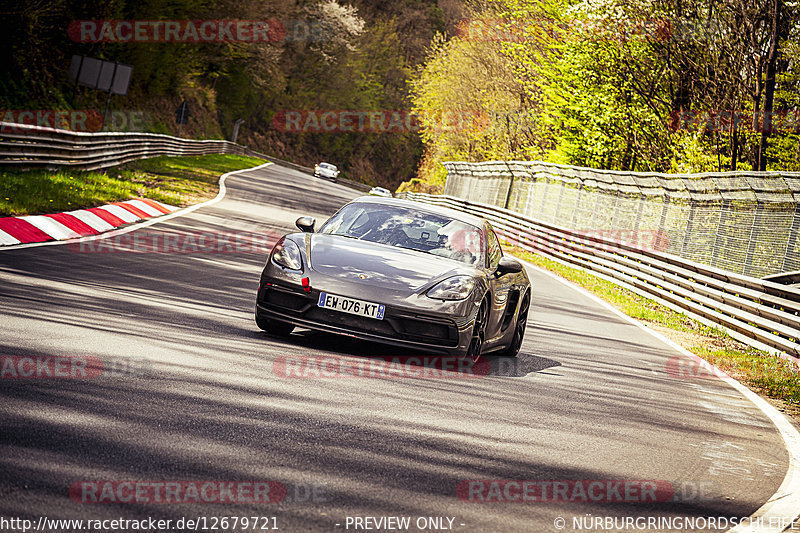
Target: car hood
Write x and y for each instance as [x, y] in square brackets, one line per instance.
[378, 264]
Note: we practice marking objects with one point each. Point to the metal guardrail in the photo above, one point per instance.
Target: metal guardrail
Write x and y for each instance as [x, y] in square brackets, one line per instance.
[35, 146]
[745, 222]
[760, 313]
[27, 146]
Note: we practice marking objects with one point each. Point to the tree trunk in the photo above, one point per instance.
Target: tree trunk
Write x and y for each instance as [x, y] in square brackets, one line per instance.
[753, 150]
[734, 140]
[769, 89]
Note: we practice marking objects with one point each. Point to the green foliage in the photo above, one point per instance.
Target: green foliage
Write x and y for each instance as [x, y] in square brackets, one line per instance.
[471, 103]
[333, 56]
[605, 79]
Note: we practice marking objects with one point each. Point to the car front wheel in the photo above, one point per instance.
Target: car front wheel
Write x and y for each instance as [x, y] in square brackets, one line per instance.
[478, 332]
[519, 328]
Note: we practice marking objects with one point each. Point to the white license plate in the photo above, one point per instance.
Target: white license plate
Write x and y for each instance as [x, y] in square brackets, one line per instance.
[351, 305]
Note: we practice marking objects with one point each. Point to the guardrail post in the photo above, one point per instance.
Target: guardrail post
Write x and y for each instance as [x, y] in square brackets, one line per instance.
[724, 209]
[751, 241]
[663, 223]
[687, 234]
[615, 216]
[558, 202]
[447, 181]
[639, 211]
[510, 185]
[788, 265]
[598, 197]
[576, 210]
[544, 197]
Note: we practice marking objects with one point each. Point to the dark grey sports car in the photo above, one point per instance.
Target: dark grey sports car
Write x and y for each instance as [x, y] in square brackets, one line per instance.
[398, 272]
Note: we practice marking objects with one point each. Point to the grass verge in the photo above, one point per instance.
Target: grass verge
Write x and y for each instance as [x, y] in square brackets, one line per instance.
[177, 181]
[764, 373]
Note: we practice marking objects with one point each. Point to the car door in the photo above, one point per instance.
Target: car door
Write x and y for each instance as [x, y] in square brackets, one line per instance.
[499, 286]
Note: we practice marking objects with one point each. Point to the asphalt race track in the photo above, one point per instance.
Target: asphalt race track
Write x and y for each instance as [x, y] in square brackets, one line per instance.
[593, 414]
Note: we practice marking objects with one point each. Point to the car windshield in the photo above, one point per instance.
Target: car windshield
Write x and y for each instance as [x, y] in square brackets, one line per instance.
[327, 166]
[408, 228]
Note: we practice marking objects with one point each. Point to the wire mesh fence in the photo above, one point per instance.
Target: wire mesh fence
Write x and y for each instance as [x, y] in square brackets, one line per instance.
[743, 222]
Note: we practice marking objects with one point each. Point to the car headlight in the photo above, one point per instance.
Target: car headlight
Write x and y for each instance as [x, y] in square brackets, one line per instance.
[287, 254]
[455, 288]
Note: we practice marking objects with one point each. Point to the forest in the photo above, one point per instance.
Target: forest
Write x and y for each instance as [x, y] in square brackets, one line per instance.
[390, 90]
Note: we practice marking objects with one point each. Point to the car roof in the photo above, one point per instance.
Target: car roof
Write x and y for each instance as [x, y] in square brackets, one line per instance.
[430, 208]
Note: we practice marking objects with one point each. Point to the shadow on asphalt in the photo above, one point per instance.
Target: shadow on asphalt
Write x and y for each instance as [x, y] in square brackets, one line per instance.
[342, 347]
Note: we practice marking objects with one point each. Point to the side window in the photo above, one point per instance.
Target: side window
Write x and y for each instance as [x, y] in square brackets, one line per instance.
[493, 251]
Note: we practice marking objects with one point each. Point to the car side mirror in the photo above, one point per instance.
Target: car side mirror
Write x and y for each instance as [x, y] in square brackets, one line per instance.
[306, 224]
[508, 265]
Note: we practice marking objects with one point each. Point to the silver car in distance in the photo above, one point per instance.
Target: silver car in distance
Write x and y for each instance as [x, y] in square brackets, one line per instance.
[398, 272]
[326, 170]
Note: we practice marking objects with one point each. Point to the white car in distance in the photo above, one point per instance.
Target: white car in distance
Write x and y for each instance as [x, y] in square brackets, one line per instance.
[380, 191]
[327, 171]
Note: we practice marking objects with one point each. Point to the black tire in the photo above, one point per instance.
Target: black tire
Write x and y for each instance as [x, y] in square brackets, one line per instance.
[519, 328]
[478, 332]
[273, 327]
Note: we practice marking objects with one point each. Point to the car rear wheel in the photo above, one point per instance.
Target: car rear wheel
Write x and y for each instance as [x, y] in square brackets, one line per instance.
[478, 332]
[273, 327]
[519, 328]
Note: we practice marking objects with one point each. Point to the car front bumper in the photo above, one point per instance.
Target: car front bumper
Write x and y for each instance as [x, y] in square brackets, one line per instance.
[325, 175]
[425, 330]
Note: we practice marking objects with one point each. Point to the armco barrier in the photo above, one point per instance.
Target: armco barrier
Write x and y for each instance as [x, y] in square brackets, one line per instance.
[27, 146]
[35, 146]
[760, 313]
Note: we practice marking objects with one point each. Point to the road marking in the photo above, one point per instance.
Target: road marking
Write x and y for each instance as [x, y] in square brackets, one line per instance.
[150, 210]
[784, 506]
[55, 229]
[120, 212]
[91, 220]
[6, 239]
